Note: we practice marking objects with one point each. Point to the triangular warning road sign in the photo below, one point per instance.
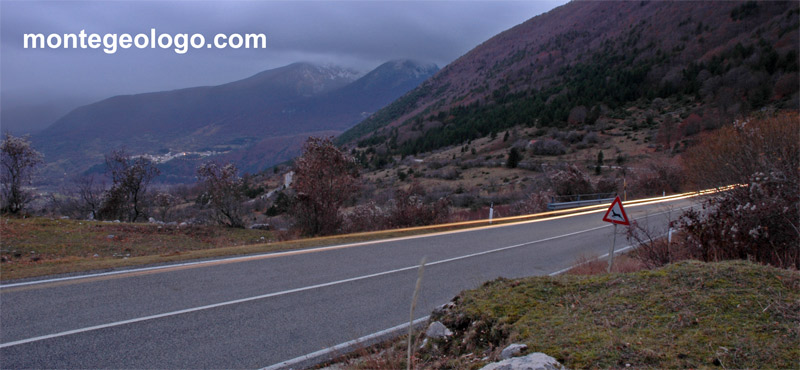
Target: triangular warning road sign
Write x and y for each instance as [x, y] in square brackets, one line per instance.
[616, 214]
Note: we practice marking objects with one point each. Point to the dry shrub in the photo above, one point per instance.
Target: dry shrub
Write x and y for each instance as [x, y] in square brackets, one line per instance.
[325, 179]
[787, 84]
[593, 266]
[365, 217]
[534, 203]
[408, 208]
[377, 358]
[760, 220]
[570, 182]
[287, 235]
[657, 176]
[548, 147]
[733, 154]
[692, 125]
[590, 138]
[654, 249]
[384, 355]
[606, 185]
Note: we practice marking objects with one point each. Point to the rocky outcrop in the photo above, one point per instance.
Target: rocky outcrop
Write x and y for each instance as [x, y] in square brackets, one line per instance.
[533, 361]
[512, 350]
[437, 330]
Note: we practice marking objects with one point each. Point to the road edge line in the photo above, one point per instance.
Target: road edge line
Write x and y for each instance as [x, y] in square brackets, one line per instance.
[284, 292]
[363, 340]
[577, 212]
[346, 347]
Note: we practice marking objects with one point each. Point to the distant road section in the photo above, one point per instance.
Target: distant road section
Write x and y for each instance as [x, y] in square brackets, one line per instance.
[260, 311]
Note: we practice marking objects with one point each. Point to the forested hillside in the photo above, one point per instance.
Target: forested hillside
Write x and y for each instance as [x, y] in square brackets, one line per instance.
[587, 60]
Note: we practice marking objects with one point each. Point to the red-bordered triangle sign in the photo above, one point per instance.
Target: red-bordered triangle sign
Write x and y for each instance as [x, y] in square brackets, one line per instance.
[616, 214]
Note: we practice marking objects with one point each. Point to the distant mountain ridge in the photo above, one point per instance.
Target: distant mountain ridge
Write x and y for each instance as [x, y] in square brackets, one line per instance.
[297, 100]
[588, 57]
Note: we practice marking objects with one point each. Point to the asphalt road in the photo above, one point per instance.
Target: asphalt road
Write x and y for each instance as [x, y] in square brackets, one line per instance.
[262, 310]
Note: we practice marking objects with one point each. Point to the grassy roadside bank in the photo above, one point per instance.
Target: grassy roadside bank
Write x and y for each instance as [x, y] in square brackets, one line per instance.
[35, 247]
[732, 314]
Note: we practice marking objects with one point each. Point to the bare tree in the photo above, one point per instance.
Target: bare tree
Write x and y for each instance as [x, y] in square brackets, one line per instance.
[325, 178]
[18, 160]
[164, 202]
[90, 194]
[82, 198]
[224, 192]
[130, 177]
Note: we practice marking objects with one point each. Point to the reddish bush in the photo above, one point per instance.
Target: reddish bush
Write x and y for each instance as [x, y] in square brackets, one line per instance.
[657, 176]
[606, 185]
[654, 248]
[691, 125]
[594, 266]
[534, 203]
[571, 182]
[408, 209]
[325, 178]
[759, 220]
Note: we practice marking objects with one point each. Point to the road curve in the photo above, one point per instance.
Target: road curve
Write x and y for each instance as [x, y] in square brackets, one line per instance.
[263, 310]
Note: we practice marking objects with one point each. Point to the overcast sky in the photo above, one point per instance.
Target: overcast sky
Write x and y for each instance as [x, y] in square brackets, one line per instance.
[355, 34]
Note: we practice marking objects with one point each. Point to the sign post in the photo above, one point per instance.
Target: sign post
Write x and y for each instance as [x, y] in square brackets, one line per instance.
[615, 215]
[611, 251]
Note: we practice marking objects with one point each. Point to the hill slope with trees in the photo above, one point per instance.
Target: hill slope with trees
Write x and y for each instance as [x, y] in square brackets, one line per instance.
[587, 60]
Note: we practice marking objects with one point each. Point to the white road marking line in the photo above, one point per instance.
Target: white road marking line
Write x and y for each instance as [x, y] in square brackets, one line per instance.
[367, 338]
[258, 256]
[616, 252]
[107, 273]
[304, 251]
[296, 290]
[343, 346]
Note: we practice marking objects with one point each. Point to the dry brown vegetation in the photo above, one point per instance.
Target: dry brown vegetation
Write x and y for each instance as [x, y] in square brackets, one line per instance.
[593, 266]
[733, 314]
[31, 244]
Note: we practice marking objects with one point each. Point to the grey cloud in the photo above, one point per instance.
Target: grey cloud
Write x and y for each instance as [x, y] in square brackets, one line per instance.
[359, 35]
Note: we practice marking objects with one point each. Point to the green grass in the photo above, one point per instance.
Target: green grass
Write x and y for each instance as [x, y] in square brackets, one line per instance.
[732, 314]
[690, 314]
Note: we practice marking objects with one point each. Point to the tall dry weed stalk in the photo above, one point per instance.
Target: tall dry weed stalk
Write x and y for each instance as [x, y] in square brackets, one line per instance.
[420, 273]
